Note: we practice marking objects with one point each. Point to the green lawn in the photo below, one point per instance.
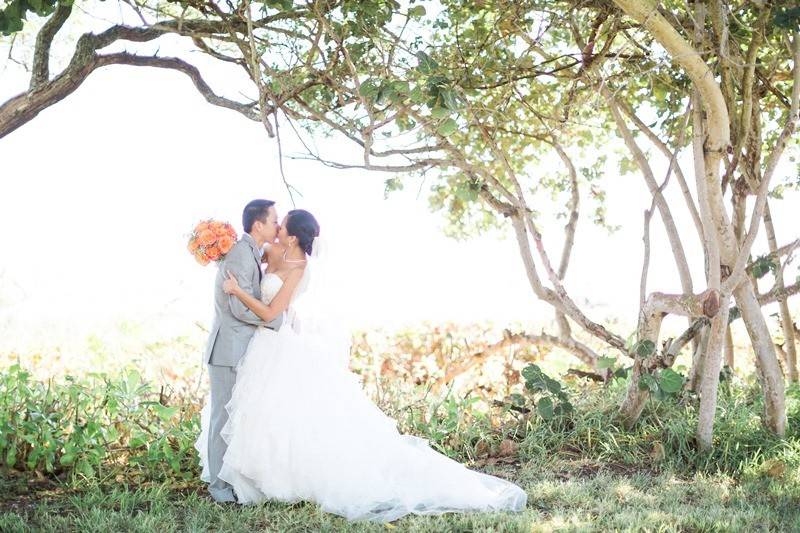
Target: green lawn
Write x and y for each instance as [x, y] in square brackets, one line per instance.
[563, 496]
[582, 472]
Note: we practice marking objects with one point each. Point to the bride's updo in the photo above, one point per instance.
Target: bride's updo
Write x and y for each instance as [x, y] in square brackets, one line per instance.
[304, 226]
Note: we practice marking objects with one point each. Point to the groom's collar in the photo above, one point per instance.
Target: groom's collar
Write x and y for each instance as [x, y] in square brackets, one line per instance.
[257, 252]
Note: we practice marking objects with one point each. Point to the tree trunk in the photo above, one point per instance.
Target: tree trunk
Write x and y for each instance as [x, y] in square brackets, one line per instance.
[709, 380]
[698, 357]
[730, 257]
[766, 359]
[786, 317]
[635, 398]
[729, 356]
[658, 305]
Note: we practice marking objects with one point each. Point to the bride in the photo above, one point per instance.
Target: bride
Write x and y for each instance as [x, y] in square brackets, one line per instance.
[301, 428]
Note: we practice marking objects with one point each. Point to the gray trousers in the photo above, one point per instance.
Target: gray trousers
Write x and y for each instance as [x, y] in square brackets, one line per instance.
[222, 380]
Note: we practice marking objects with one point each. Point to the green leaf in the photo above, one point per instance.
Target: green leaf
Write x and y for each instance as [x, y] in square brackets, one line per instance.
[517, 399]
[138, 441]
[370, 89]
[392, 92]
[645, 348]
[531, 372]
[83, 467]
[660, 395]
[450, 99]
[621, 373]
[534, 378]
[605, 362]
[12, 25]
[417, 95]
[648, 382]
[391, 185]
[787, 18]
[163, 412]
[11, 457]
[440, 112]
[426, 63]
[400, 87]
[285, 5]
[553, 386]
[545, 408]
[417, 12]
[670, 381]
[762, 266]
[448, 127]
[466, 193]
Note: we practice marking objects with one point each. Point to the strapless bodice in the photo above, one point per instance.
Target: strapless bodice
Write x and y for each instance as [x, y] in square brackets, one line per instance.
[270, 285]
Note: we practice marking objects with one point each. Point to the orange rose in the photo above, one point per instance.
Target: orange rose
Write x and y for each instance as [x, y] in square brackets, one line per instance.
[193, 245]
[213, 253]
[225, 244]
[200, 227]
[206, 238]
[220, 230]
[200, 258]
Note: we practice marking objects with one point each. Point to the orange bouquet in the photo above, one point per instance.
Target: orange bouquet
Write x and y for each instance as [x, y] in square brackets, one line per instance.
[211, 240]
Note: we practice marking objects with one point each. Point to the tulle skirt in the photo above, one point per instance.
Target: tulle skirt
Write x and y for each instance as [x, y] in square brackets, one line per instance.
[301, 428]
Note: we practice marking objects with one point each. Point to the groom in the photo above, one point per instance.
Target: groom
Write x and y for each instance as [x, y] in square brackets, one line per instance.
[234, 325]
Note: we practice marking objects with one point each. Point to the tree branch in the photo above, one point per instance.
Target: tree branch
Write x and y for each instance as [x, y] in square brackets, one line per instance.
[40, 71]
[658, 198]
[173, 63]
[509, 340]
[672, 157]
[789, 128]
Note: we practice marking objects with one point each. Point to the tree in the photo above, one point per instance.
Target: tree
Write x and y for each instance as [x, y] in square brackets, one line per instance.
[726, 244]
[484, 93]
[204, 24]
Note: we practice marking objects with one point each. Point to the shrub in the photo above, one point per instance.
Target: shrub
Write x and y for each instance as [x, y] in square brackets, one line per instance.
[95, 428]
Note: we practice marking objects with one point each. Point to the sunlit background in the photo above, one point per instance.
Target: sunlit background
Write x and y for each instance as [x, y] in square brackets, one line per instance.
[100, 191]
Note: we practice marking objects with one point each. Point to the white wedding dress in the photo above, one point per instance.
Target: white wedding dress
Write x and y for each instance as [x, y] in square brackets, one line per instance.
[301, 428]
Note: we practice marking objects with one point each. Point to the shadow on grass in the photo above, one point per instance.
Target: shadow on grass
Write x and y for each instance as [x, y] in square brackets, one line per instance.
[563, 496]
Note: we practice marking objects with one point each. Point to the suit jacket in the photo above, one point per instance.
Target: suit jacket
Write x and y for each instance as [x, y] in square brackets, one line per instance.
[234, 324]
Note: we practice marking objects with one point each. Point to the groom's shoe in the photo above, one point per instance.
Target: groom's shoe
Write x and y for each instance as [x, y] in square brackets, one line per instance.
[224, 496]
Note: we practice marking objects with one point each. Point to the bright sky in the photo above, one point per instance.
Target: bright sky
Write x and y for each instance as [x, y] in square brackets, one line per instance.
[99, 192]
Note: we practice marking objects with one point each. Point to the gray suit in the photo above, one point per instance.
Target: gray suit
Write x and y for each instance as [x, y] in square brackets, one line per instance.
[233, 327]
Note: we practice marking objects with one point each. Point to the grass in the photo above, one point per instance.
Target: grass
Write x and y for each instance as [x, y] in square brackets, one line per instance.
[582, 473]
[587, 475]
[663, 439]
[563, 496]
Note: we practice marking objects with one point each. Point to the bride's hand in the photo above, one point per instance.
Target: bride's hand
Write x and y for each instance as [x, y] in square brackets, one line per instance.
[230, 285]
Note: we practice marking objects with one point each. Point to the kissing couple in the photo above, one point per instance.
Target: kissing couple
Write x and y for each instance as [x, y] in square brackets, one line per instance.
[287, 420]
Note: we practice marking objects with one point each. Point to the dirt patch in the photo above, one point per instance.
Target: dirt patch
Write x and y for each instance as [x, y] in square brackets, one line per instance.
[21, 495]
[585, 469]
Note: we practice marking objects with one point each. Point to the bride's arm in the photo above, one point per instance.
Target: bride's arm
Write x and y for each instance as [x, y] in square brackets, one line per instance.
[278, 305]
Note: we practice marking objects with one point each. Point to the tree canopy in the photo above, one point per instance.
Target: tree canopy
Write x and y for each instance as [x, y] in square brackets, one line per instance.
[481, 97]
